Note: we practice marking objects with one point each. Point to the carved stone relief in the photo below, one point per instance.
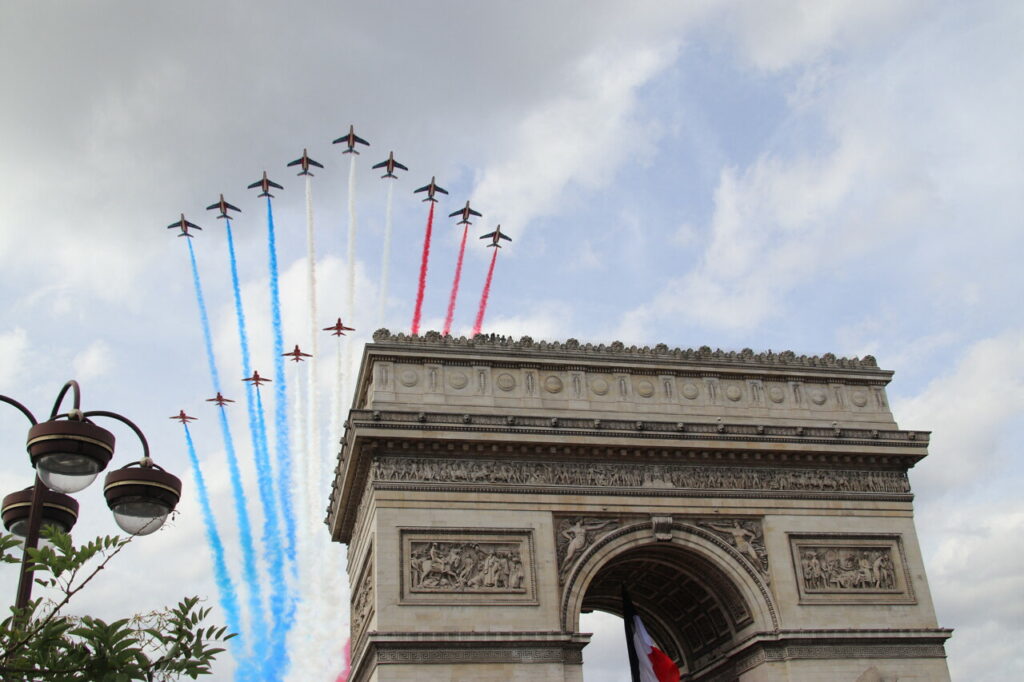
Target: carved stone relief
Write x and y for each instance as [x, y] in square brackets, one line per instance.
[573, 535]
[844, 569]
[362, 599]
[661, 476]
[467, 566]
[746, 535]
[851, 568]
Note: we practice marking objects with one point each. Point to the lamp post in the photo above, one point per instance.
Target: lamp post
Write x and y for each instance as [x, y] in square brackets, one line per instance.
[68, 451]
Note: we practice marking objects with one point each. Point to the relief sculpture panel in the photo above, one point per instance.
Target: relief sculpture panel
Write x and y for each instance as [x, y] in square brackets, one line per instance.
[745, 536]
[463, 566]
[844, 569]
[573, 535]
[667, 476]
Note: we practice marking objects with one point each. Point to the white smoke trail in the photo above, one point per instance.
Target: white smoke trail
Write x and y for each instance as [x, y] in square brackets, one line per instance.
[313, 459]
[349, 309]
[386, 258]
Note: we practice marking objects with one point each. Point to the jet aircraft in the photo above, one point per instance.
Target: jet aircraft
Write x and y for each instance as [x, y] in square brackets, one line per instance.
[351, 139]
[389, 164]
[465, 212]
[338, 329]
[305, 162]
[256, 379]
[183, 225]
[265, 184]
[296, 355]
[430, 189]
[223, 206]
[183, 418]
[495, 236]
[220, 400]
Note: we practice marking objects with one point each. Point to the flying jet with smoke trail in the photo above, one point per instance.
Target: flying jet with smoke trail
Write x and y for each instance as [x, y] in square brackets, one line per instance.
[495, 236]
[465, 212]
[220, 400]
[223, 206]
[338, 329]
[389, 164]
[265, 184]
[256, 379]
[183, 225]
[430, 189]
[351, 139]
[305, 162]
[296, 355]
[183, 418]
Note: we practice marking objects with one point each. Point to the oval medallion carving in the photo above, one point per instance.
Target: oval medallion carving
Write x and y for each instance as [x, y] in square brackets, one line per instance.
[859, 398]
[409, 378]
[645, 389]
[457, 380]
[690, 391]
[776, 394]
[818, 396]
[505, 382]
[599, 386]
[552, 384]
[733, 393]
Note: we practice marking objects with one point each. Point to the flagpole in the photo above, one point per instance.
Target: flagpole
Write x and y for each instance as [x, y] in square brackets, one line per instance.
[627, 620]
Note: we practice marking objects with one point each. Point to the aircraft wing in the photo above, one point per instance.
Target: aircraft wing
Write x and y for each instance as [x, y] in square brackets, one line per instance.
[442, 190]
[273, 184]
[356, 138]
[398, 165]
[382, 164]
[233, 208]
[504, 236]
[421, 189]
[487, 236]
[217, 205]
[296, 162]
[255, 184]
[314, 163]
[192, 225]
[472, 212]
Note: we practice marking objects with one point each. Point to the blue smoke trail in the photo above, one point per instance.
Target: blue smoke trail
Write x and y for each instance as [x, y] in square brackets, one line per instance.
[259, 625]
[211, 530]
[281, 605]
[281, 440]
[228, 597]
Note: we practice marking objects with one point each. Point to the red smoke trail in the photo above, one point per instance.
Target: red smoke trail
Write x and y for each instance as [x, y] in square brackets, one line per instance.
[423, 272]
[455, 284]
[483, 297]
[343, 677]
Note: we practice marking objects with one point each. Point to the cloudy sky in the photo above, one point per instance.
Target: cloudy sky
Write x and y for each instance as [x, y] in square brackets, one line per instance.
[817, 176]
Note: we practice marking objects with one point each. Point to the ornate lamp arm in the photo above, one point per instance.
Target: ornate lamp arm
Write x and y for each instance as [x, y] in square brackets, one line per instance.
[22, 408]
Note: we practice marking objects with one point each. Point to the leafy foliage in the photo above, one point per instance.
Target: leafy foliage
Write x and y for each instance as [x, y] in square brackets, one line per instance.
[43, 643]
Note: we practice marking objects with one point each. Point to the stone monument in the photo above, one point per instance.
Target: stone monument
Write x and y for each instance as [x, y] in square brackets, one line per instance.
[756, 505]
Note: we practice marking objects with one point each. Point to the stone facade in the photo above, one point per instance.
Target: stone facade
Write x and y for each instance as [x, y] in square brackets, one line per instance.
[490, 490]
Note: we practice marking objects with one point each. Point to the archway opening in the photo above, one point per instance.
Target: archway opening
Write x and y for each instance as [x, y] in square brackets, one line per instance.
[690, 607]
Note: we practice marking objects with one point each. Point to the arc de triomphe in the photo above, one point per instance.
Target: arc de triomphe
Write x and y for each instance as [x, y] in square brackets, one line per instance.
[757, 506]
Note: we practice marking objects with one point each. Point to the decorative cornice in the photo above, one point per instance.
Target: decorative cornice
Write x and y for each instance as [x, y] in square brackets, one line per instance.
[616, 349]
[676, 430]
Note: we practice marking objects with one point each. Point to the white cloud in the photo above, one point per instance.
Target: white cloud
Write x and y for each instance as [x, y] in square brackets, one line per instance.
[13, 346]
[577, 139]
[94, 361]
[969, 408]
[975, 579]
[777, 34]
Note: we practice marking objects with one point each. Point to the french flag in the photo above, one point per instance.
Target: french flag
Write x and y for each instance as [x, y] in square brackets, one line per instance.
[647, 662]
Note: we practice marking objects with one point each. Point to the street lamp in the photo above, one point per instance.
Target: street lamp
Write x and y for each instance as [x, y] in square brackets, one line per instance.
[68, 451]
